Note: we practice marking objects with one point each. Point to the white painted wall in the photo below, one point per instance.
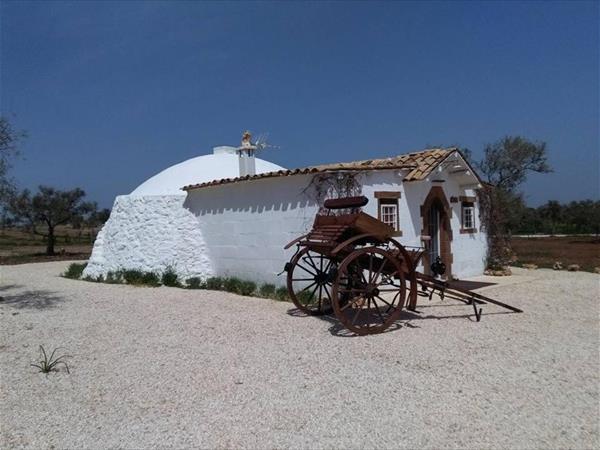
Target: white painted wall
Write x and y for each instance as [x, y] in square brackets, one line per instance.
[150, 233]
[468, 250]
[246, 224]
[240, 229]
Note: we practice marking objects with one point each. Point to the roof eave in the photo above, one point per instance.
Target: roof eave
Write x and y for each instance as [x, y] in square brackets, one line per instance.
[307, 171]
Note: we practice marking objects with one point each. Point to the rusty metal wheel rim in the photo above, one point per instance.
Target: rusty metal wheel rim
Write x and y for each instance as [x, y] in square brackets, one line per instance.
[360, 287]
[310, 282]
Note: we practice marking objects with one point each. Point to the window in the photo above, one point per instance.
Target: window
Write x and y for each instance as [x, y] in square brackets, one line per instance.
[388, 213]
[468, 216]
[388, 210]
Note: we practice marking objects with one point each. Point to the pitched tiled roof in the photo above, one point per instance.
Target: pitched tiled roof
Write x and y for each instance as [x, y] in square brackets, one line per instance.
[420, 165]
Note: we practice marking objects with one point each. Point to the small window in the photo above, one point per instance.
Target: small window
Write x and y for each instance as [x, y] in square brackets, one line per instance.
[468, 216]
[388, 212]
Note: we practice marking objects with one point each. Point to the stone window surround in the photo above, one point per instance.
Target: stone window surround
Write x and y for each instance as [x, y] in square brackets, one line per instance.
[389, 197]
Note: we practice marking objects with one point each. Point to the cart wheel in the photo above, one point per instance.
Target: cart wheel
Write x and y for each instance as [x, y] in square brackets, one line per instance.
[310, 281]
[370, 290]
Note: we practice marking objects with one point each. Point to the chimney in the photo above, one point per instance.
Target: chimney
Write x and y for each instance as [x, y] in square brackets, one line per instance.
[246, 158]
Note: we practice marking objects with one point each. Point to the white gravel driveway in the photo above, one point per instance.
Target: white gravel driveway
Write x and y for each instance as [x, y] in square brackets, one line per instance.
[164, 367]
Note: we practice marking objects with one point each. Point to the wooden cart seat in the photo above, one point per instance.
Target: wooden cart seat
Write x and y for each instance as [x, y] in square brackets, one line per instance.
[345, 226]
[330, 233]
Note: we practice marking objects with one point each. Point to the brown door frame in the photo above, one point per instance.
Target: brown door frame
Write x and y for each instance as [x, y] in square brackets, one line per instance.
[436, 195]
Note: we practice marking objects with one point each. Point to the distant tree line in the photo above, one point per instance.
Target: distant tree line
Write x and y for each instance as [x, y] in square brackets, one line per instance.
[577, 217]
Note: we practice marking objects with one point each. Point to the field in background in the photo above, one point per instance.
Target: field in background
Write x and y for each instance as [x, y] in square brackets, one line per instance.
[544, 251]
[19, 247]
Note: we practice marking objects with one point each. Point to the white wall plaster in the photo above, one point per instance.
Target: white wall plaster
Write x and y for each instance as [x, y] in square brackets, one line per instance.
[240, 229]
[150, 233]
[247, 224]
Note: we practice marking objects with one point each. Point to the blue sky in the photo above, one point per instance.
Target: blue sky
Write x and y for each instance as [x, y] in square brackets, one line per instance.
[113, 92]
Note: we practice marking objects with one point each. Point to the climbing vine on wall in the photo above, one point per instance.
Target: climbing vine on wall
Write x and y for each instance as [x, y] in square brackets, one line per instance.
[329, 185]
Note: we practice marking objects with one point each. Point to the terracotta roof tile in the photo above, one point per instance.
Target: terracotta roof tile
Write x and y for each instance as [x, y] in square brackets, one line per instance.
[420, 165]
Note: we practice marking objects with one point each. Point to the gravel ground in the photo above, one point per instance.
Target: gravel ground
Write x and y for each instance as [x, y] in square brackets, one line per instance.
[164, 367]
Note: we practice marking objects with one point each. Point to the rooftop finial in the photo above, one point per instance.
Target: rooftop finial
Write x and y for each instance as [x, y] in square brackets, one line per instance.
[246, 139]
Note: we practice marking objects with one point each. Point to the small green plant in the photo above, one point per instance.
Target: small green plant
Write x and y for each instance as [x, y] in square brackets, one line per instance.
[214, 283]
[75, 270]
[267, 290]
[48, 364]
[247, 288]
[306, 296]
[232, 284]
[139, 278]
[281, 294]
[114, 277]
[169, 277]
[195, 283]
[98, 279]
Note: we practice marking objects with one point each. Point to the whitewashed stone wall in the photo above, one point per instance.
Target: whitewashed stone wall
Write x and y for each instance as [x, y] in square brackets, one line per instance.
[468, 250]
[150, 233]
[240, 229]
[247, 224]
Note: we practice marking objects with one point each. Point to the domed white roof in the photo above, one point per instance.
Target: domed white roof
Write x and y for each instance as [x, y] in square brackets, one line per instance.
[222, 164]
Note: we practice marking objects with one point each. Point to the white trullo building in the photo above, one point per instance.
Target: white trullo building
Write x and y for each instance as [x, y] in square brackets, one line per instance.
[231, 214]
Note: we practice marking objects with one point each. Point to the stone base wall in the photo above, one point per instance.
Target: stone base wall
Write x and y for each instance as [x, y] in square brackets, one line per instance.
[150, 233]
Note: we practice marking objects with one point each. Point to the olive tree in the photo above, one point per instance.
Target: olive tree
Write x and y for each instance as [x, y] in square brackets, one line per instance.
[49, 208]
[505, 166]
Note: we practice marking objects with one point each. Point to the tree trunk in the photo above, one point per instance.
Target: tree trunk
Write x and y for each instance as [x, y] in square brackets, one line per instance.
[50, 242]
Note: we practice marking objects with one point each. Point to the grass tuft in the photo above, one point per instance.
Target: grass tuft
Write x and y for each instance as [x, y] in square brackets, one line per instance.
[140, 278]
[195, 283]
[75, 270]
[214, 283]
[114, 277]
[169, 278]
[267, 290]
[47, 364]
[247, 288]
[232, 284]
[281, 294]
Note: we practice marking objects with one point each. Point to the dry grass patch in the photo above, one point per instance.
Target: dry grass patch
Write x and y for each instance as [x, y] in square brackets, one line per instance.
[545, 251]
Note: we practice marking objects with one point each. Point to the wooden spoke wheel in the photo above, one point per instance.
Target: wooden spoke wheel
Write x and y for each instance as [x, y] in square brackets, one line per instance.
[370, 289]
[310, 282]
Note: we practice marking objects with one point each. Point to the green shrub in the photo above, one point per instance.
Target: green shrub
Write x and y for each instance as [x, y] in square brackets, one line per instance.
[114, 277]
[232, 284]
[267, 291]
[214, 283]
[195, 283]
[75, 270]
[98, 279]
[281, 294]
[169, 278]
[151, 279]
[132, 276]
[247, 288]
[306, 296]
[137, 277]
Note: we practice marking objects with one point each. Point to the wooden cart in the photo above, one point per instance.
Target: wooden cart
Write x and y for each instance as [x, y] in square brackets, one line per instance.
[350, 264]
